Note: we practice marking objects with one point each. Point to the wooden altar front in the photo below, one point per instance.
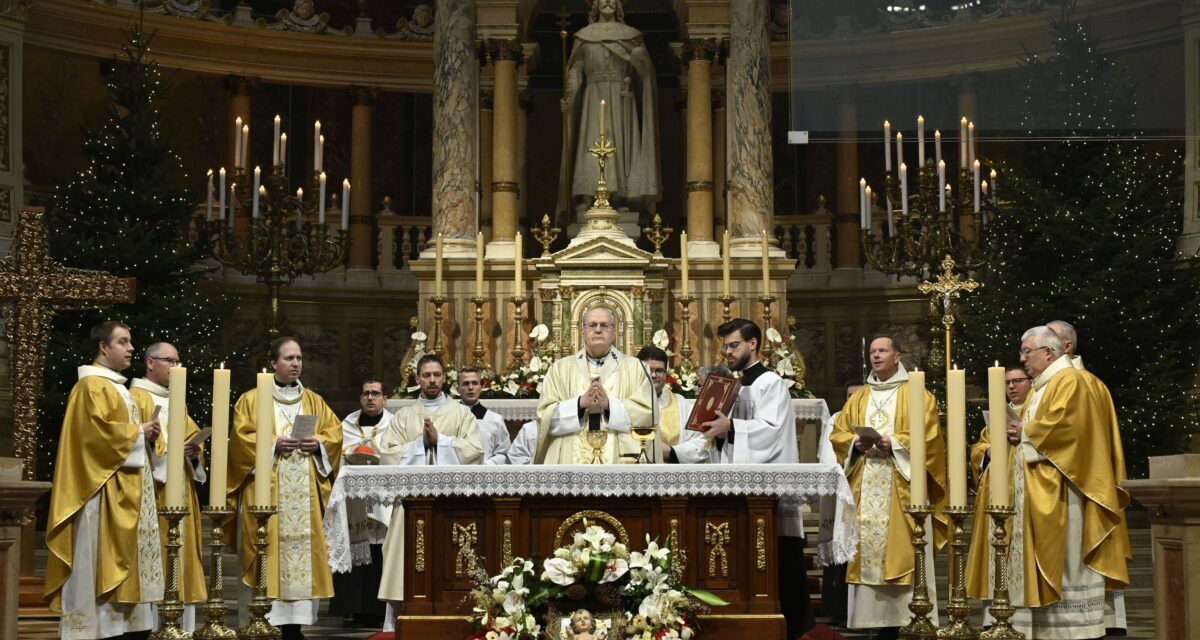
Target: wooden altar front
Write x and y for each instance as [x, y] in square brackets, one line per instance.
[722, 519]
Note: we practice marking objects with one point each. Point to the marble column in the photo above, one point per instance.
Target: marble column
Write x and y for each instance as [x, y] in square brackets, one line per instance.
[485, 163]
[362, 225]
[1189, 241]
[525, 106]
[506, 56]
[748, 80]
[455, 119]
[720, 187]
[698, 54]
[847, 202]
[12, 164]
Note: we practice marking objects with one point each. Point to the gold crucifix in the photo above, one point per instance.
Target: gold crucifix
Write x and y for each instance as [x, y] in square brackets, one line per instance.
[949, 286]
[33, 288]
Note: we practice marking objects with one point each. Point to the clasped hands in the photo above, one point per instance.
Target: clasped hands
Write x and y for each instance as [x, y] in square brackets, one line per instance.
[595, 399]
[1014, 431]
[879, 449]
[430, 434]
[153, 429]
[285, 445]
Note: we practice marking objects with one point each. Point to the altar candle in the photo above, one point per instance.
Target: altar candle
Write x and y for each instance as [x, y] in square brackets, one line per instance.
[921, 141]
[317, 145]
[995, 185]
[962, 143]
[725, 264]
[299, 206]
[176, 419]
[237, 142]
[219, 450]
[941, 186]
[518, 263]
[916, 436]
[956, 435]
[766, 265]
[970, 143]
[264, 438]
[258, 192]
[869, 203]
[903, 189]
[320, 153]
[321, 201]
[946, 195]
[232, 202]
[283, 150]
[437, 266]
[261, 194]
[479, 265]
[937, 146]
[683, 262]
[245, 146]
[208, 205]
[601, 118]
[275, 147]
[862, 203]
[221, 192]
[997, 438]
[899, 147]
[887, 145]
[345, 204]
[975, 181]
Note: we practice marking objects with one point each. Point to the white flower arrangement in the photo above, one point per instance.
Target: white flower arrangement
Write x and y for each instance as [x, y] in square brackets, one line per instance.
[788, 363]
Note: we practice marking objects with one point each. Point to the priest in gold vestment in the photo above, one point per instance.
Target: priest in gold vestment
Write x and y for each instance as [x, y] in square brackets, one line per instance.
[298, 573]
[880, 576]
[598, 390]
[105, 568]
[152, 391]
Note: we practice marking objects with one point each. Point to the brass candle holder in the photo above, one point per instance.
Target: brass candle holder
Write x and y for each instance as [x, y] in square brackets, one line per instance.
[518, 353]
[765, 347]
[725, 302]
[920, 627]
[214, 610]
[437, 301]
[260, 604]
[685, 350]
[1001, 609]
[958, 608]
[477, 352]
[170, 610]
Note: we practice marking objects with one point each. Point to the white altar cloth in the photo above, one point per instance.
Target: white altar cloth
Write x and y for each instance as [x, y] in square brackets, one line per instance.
[821, 486]
[525, 409]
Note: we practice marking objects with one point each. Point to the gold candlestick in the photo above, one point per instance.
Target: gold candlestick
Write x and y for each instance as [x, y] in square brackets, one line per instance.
[765, 347]
[920, 627]
[685, 351]
[725, 302]
[214, 610]
[518, 353]
[546, 234]
[958, 608]
[437, 302]
[260, 604]
[171, 608]
[478, 301]
[1001, 609]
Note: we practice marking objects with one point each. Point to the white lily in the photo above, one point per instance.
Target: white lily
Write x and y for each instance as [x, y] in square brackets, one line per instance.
[419, 336]
[511, 387]
[540, 333]
[661, 339]
[535, 364]
[514, 605]
[773, 335]
[614, 569]
[560, 571]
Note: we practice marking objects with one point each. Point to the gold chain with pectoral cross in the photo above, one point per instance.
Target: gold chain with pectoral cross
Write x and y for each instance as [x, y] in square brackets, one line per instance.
[880, 417]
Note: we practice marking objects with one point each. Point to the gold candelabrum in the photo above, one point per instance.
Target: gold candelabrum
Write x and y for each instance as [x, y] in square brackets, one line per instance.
[437, 301]
[518, 352]
[258, 628]
[958, 608]
[685, 349]
[725, 302]
[920, 627]
[1001, 609]
[214, 610]
[546, 234]
[282, 242]
[477, 352]
[765, 348]
[170, 610]
[657, 234]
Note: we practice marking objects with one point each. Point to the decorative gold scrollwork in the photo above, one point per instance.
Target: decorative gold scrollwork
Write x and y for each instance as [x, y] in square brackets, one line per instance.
[464, 537]
[614, 526]
[760, 544]
[420, 562]
[717, 537]
[506, 545]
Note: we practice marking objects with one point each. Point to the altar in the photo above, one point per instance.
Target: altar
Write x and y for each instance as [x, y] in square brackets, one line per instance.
[720, 519]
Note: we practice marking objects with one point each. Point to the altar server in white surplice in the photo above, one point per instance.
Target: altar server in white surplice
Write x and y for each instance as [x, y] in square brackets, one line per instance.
[762, 429]
[432, 431]
[524, 445]
[600, 391]
[673, 412]
[492, 429]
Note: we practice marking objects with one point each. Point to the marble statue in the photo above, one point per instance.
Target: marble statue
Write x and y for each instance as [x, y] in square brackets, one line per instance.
[422, 20]
[609, 62]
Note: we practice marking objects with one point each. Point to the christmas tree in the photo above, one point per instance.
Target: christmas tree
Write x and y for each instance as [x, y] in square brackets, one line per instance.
[129, 213]
[1088, 233]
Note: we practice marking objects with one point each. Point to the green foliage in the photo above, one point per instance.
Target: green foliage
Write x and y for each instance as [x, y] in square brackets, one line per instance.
[1088, 234]
[128, 213]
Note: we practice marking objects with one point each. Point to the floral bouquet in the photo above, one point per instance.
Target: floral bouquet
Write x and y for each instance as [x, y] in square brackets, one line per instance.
[788, 363]
[682, 381]
[503, 603]
[526, 380]
[409, 388]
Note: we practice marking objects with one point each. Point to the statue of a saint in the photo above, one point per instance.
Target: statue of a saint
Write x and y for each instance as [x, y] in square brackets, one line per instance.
[609, 62]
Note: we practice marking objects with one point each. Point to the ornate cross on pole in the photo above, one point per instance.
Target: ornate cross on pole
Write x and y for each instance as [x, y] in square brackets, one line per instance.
[32, 289]
[949, 286]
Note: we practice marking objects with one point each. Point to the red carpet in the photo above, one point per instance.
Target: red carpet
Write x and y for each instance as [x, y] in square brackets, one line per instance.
[383, 635]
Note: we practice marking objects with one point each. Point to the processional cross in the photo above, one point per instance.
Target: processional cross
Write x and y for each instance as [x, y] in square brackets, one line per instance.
[948, 286]
[33, 288]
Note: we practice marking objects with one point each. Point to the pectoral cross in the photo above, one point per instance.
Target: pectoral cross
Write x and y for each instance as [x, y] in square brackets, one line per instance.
[878, 420]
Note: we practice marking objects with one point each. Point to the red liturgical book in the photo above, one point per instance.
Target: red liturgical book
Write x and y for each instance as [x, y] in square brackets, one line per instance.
[718, 394]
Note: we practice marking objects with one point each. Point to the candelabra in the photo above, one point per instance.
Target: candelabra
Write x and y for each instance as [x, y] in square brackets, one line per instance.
[214, 610]
[171, 608]
[726, 300]
[920, 627]
[685, 350]
[282, 243]
[258, 627]
[657, 234]
[546, 235]
[437, 301]
[958, 608]
[518, 353]
[765, 348]
[478, 363]
[1001, 608]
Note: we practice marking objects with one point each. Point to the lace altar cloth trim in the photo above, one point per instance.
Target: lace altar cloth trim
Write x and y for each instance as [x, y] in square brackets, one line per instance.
[525, 409]
[821, 486]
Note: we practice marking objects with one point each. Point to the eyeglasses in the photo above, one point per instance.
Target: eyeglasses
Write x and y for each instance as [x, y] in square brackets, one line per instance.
[171, 361]
[371, 394]
[602, 326]
[731, 346]
[1025, 351]
[1016, 381]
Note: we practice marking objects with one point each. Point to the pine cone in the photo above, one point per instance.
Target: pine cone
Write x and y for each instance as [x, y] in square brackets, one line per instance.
[576, 592]
[608, 595]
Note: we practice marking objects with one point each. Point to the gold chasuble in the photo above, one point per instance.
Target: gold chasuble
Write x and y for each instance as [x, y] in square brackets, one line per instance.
[105, 556]
[191, 577]
[563, 430]
[297, 557]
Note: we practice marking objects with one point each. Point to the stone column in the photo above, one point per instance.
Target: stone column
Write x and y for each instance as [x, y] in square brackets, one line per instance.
[720, 187]
[698, 54]
[506, 55]
[525, 106]
[846, 202]
[455, 119]
[748, 79]
[362, 198]
[1189, 241]
[12, 164]
[485, 163]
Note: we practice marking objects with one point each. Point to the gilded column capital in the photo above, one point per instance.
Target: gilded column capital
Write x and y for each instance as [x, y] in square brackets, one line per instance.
[510, 50]
[361, 96]
[486, 99]
[700, 49]
[239, 85]
[656, 295]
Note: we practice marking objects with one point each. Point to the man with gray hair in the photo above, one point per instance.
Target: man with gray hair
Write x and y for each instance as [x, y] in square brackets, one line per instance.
[1069, 542]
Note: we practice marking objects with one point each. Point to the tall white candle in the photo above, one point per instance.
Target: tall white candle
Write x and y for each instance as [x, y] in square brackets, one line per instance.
[257, 189]
[921, 140]
[862, 203]
[519, 264]
[946, 195]
[437, 266]
[264, 439]
[283, 151]
[317, 145]
[975, 181]
[219, 449]
[245, 146]
[970, 143]
[916, 436]
[766, 265]
[320, 153]
[345, 204]
[956, 435]
[941, 186]
[237, 142]
[321, 201]
[176, 419]
[995, 185]
[232, 202]
[870, 204]
[479, 265]
[683, 263]
[887, 145]
[899, 147]
[208, 214]
[221, 192]
[997, 438]
[275, 147]
[937, 146]
[725, 264]
[299, 207]
[602, 118]
[261, 194]
[962, 143]
[903, 189]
